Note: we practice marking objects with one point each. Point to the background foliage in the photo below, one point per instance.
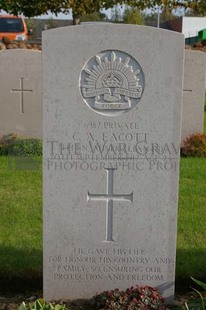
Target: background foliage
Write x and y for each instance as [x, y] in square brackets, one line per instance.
[83, 7]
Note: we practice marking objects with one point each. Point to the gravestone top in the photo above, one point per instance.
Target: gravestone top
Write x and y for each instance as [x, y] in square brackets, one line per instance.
[112, 112]
[20, 93]
[193, 93]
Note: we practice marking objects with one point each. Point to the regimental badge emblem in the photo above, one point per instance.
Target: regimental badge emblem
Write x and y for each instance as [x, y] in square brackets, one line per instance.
[112, 82]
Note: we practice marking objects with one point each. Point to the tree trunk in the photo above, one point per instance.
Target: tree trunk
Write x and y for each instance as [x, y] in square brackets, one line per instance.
[76, 19]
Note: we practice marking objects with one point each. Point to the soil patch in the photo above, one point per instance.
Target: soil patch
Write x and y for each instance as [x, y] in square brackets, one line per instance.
[14, 291]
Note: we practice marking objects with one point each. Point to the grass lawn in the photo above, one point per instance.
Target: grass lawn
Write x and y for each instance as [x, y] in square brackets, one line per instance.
[21, 221]
[191, 240]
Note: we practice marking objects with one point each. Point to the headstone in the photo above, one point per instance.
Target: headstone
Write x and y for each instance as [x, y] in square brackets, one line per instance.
[193, 93]
[20, 93]
[112, 112]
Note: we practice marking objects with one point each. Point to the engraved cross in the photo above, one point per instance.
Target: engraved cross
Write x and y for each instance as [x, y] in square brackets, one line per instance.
[109, 197]
[21, 91]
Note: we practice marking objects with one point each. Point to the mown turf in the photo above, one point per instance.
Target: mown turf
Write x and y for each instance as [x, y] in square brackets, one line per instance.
[191, 241]
[21, 220]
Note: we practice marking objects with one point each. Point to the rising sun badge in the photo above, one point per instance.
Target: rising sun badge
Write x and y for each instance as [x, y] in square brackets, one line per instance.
[112, 82]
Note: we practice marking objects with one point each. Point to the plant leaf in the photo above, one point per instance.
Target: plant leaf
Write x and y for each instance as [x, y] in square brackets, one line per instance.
[60, 307]
[200, 283]
[202, 300]
[39, 304]
[22, 306]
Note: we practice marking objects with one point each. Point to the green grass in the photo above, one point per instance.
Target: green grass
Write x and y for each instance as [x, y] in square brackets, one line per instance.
[20, 221]
[191, 241]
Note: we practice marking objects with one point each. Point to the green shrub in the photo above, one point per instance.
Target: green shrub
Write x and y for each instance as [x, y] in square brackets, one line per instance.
[6, 40]
[11, 145]
[26, 147]
[6, 142]
[40, 304]
[133, 298]
[194, 145]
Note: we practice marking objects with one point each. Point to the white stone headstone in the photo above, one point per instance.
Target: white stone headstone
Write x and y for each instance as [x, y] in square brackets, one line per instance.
[112, 112]
[193, 93]
[20, 93]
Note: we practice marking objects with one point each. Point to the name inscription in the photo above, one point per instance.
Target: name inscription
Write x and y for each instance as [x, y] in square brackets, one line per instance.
[111, 145]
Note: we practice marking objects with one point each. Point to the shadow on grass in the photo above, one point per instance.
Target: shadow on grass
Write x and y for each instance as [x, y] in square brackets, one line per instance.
[190, 263]
[20, 270]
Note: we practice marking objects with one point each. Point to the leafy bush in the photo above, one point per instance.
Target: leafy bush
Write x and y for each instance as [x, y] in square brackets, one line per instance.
[11, 145]
[141, 298]
[195, 146]
[26, 147]
[6, 40]
[40, 304]
[6, 142]
[133, 16]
